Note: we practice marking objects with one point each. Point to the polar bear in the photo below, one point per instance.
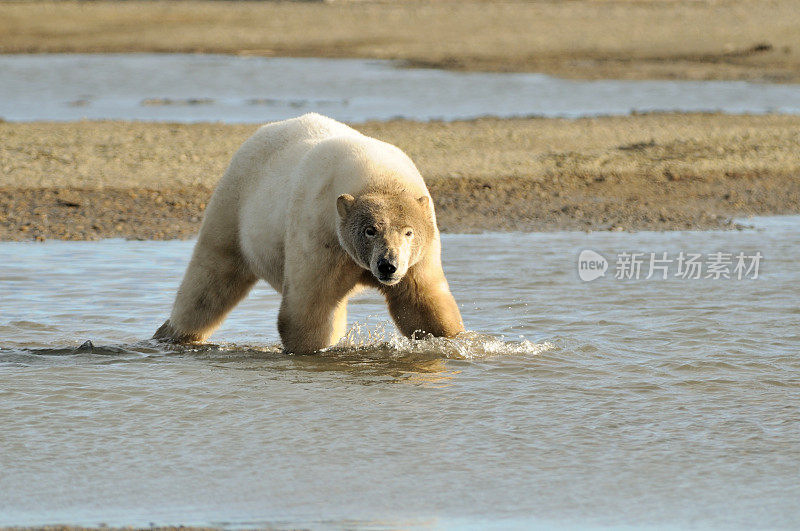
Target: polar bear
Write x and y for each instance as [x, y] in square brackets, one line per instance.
[319, 211]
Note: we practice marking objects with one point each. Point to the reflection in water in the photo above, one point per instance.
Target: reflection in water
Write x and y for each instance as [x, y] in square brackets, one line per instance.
[644, 403]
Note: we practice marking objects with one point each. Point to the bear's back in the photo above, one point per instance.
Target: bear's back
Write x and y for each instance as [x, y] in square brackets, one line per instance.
[308, 128]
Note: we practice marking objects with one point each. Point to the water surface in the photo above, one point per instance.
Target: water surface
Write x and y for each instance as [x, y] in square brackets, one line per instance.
[195, 88]
[664, 403]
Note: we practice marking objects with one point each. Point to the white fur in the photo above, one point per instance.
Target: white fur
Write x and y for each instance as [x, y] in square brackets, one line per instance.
[287, 178]
[273, 216]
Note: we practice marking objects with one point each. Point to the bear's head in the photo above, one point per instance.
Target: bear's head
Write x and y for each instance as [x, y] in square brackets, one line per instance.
[385, 233]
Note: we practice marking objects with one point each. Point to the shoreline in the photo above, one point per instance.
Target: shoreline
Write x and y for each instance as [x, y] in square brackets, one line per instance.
[581, 39]
[461, 208]
[140, 180]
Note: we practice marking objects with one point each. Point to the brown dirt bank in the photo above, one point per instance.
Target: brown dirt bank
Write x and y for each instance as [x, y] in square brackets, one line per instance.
[90, 180]
[681, 39]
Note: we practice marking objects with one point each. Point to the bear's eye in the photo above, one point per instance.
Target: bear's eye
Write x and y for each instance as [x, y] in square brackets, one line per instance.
[409, 233]
[370, 231]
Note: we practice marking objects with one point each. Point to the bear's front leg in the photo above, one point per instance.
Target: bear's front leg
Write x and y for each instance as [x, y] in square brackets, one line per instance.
[306, 327]
[313, 313]
[422, 304]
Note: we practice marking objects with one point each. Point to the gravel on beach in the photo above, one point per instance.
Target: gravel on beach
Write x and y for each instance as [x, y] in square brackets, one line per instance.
[91, 180]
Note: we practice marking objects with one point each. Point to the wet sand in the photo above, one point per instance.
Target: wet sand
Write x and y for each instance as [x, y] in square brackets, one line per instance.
[92, 180]
[588, 39]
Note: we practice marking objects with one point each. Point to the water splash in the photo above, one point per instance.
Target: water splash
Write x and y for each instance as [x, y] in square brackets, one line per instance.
[367, 341]
[381, 339]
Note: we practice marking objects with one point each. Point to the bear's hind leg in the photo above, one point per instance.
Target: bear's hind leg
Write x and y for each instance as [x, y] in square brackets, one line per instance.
[213, 284]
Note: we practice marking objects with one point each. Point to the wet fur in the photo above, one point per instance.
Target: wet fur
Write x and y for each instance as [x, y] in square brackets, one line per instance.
[277, 215]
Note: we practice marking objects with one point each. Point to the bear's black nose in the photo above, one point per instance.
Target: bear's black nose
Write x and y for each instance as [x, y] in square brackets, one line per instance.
[386, 268]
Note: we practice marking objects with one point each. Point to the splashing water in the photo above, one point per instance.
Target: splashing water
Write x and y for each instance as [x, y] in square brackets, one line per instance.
[382, 339]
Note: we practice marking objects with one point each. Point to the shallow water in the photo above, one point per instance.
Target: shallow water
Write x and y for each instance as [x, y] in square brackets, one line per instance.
[606, 403]
[194, 88]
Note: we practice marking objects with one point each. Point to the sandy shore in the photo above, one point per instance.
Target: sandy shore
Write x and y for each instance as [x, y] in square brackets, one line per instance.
[592, 39]
[91, 180]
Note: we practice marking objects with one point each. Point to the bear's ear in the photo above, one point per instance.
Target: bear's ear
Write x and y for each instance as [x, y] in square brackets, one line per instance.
[424, 202]
[343, 204]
